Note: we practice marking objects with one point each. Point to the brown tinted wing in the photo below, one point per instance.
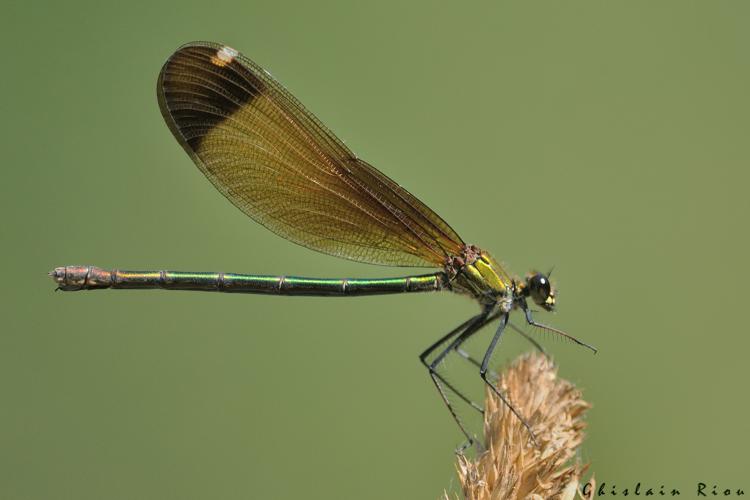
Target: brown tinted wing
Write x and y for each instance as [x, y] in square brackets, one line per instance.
[277, 163]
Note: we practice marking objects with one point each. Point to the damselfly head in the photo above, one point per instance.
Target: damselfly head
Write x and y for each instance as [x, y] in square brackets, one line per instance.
[539, 288]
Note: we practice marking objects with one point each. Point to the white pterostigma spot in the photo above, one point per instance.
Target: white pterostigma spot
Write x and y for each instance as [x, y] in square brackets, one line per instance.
[224, 56]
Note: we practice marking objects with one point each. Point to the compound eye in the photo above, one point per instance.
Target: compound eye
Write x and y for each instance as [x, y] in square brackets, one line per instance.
[540, 285]
[540, 288]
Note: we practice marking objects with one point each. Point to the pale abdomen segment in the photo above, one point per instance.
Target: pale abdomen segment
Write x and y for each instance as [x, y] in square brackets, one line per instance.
[73, 278]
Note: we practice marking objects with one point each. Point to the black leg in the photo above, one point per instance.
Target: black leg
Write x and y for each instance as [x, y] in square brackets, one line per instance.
[483, 374]
[444, 338]
[468, 357]
[531, 321]
[528, 337]
[437, 378]
[459, 335]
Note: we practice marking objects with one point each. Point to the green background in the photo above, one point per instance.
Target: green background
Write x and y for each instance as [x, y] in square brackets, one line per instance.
[609, 139]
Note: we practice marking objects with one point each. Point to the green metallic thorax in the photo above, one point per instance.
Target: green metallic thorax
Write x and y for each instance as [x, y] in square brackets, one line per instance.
[477, 274]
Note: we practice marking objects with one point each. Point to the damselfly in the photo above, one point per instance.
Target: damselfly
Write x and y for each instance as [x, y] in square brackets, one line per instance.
[275, 161]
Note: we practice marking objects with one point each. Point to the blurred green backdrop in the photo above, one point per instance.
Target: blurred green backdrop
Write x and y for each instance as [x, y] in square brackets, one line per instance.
[617, 131]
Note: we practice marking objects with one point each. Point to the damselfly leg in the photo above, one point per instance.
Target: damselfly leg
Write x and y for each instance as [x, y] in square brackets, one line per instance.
[454, 339]
[530, 320]
[468, 357]
[491, 384]
[528, 337]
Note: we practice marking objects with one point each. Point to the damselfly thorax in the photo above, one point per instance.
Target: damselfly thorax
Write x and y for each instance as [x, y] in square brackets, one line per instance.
[474, 272]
